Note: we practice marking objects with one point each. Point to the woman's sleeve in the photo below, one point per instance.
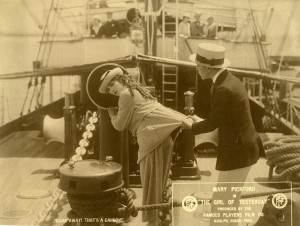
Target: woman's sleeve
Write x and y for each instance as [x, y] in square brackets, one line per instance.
[122, 119]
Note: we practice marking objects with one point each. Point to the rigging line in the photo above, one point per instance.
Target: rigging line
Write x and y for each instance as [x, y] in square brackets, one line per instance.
[51, 42]
[266, 18]
[259, 47]
[283, 40]
[32, 15]
[8, 111]
[50, 31]
[26, 96]
[2, 103]
[256, 32]
[41, 101]
[41, 92]
[74, 17]
[260, 33]
[256, 48]
[33, 93]
[4, 100]
[43, 79]
[67, 25]
[36, 90]
[44, 31]
[269, 20]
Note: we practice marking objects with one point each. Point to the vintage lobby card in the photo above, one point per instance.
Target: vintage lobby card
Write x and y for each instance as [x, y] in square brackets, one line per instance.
[235, 204]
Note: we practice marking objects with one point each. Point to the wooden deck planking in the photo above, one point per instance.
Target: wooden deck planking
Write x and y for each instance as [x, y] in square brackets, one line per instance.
[26, 163]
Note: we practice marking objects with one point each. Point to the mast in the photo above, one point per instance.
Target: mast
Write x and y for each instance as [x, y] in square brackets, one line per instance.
[151, 6]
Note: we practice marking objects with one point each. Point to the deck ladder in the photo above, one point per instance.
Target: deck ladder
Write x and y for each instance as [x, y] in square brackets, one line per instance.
[170, 86]
[169, 90]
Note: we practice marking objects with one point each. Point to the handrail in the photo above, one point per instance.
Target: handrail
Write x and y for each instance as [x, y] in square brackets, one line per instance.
[142, 58]
[64, 71]
[244, 73]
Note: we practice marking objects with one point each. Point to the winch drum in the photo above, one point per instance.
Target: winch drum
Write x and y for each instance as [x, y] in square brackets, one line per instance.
[91, 177]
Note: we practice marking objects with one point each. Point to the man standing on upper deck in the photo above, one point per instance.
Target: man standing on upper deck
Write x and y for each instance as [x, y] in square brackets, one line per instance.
[210, 29]
[111, 29]
[197, 28]
[239, 146]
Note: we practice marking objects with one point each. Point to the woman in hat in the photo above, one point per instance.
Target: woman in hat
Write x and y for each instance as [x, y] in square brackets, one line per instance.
[96, 28]
[184, 29]
[152, 124]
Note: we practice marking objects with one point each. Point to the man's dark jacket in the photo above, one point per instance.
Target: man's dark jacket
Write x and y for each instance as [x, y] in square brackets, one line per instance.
[238, 143]
[110, 28]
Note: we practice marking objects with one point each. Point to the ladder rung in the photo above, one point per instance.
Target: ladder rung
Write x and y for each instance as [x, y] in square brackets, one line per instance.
[169, 91]
[169, 74]
[170, 83]
[169, 99]
[170, 67]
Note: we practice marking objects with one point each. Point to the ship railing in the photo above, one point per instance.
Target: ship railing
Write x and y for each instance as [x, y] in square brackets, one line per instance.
[21, 104]
[275, 94]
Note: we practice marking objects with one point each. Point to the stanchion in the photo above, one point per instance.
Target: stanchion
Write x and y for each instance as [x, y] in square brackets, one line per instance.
[186, 168]
[70, 125]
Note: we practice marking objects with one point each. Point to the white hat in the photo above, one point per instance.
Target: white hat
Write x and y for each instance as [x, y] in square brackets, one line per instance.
[97, 18]
[185, 15]
[210, 55]
[107, 77]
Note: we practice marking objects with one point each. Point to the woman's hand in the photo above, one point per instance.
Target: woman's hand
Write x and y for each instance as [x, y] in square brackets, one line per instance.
[112, 111]
[187, 123]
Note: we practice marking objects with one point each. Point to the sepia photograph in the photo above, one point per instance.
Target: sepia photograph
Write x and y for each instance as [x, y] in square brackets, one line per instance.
[150, 112]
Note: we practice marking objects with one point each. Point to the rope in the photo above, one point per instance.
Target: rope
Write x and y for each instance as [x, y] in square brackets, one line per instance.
[26, 96]
[54, 34]
[35, 84]
[103, 204]
[130, 209]
[40, 93]
[4, 101]
[284, 154]
[200, 201]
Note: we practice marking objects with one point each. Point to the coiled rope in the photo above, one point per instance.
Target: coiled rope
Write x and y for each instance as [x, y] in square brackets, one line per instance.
[284, 154]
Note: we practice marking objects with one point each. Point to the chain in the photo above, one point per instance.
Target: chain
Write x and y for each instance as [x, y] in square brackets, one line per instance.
[52, 208]
[85, 141]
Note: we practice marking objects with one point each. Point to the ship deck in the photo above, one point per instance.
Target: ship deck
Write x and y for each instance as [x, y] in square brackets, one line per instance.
[27, 163]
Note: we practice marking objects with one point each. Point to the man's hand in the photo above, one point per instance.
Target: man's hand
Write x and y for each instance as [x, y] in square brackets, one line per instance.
[195, 118]
[187, 123]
